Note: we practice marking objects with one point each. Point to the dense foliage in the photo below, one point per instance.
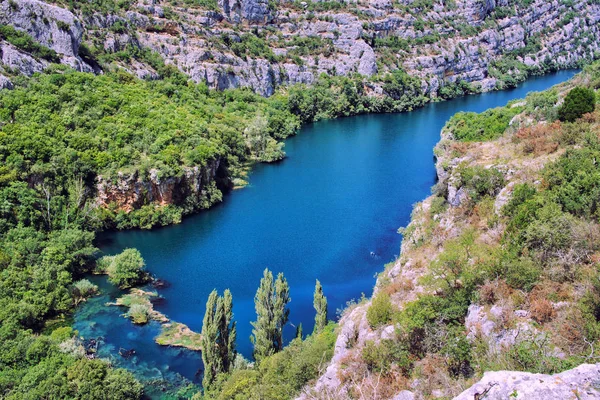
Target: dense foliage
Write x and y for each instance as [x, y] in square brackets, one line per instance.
[578, 101]
[281, 375]
[488, 125]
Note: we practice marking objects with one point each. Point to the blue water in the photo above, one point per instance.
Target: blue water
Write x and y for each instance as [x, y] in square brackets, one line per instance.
[341, 194]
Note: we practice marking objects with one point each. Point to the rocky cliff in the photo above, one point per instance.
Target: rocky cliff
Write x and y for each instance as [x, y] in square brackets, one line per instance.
[192, 190]
[262, 45]
[422, 335]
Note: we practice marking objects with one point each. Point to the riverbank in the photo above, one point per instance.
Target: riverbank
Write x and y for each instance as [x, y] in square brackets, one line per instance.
[458, 301]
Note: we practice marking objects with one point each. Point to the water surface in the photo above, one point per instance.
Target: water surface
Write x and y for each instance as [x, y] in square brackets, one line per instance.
[329, 211]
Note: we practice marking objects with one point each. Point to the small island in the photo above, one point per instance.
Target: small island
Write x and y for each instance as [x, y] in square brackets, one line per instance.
[141, 311]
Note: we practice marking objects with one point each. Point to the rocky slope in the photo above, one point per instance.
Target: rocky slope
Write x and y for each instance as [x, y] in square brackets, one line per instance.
[503, 327]
[262, 45]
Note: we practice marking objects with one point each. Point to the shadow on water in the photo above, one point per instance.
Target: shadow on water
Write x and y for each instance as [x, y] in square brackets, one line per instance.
[329, 211]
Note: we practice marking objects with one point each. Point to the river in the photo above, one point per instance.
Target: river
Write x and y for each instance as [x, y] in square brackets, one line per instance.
[329, 211]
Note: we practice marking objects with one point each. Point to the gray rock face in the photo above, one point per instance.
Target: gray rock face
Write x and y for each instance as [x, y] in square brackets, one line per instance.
[15, 59]
[5, 83]
[188, 39]
[51, 26]
[253, 11]
[580, 383]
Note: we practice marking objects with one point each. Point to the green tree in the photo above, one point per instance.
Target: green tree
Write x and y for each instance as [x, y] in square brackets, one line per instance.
[126, 269]
[227, 332]
[578, 101]
[272, 314]
[210, 335]
[320, 304]
[218, 337]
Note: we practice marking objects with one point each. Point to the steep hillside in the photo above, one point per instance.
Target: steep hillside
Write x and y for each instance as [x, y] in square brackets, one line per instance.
[499, 267]
[264, 44]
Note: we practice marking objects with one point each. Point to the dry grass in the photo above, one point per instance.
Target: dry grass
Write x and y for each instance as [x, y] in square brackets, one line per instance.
[541, 310]
[539, 139]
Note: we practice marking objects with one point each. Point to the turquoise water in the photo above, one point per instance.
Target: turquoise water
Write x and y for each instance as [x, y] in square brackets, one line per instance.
[329, 211]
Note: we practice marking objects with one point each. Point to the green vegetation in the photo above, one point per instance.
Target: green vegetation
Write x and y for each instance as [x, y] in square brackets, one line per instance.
[272, 313]
[83, 289]
[320, 305]
[23, 41]
[124, 270]
[578, 101]
[278, 376]
[380, 311]
[68, 128]
[218, 337]
[139, 313]
[488, 125]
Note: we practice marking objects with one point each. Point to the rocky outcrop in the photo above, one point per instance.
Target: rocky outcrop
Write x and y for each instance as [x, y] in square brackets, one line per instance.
[580, 383]
[441, 44]
[18, 60]
[50, 25]
[193, 189]
[5, 83]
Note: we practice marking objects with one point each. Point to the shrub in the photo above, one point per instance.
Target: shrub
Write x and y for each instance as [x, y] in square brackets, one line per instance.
[83, 289]
[381, 310]
[26, 43]
[578, 101]
[488, 125]
[139, 313]
[541, 310]
[124, 270]
[380, 357]
[481, 181]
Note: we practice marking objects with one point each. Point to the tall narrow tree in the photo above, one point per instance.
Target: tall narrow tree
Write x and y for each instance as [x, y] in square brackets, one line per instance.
[218, 336]
[210, 334]
[272, 314]
[227, 332]
[281, 312]
[320, 304]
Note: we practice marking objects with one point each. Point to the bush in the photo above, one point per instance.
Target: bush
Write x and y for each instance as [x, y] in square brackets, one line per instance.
[488, 125]
[381, 310]
[481, 181]
[23, 41]
[124, 270]
[380, 357]
[83, 289]
[578, 101]
[139, 313]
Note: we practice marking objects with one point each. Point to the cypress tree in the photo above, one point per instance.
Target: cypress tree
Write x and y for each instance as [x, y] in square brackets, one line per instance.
[320, 304]
[299, 331]
[228, 332]
[218, 336]
[272, 314]
[210, 335]
[263, 327]
[281, 312]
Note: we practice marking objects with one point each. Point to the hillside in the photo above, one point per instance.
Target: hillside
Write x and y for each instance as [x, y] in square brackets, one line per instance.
[498, 269]
[265, 44]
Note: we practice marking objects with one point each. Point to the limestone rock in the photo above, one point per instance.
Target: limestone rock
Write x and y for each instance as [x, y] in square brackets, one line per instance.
[5, 83]
[50, 25]
[580, 383]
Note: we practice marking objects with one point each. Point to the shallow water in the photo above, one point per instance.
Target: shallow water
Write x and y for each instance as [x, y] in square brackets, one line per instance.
[329, 211]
